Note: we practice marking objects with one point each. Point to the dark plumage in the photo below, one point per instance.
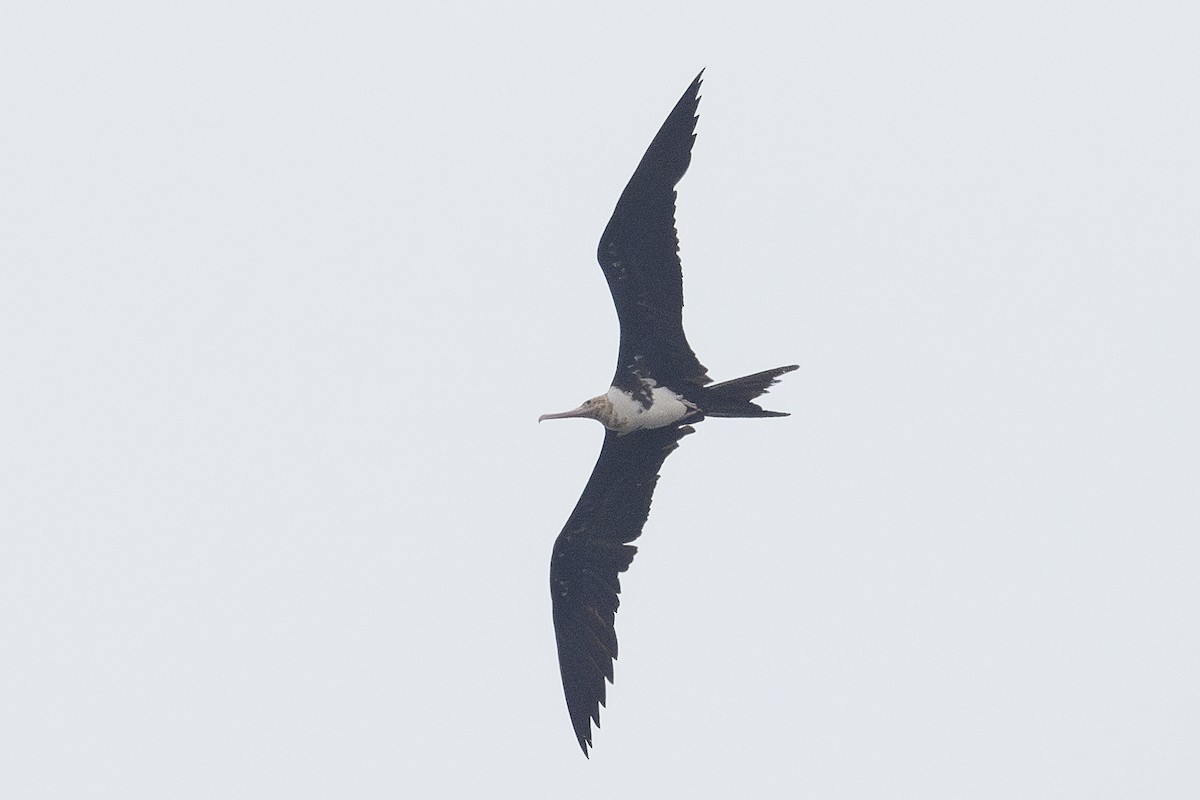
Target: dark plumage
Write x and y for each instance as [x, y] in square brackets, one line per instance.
[639, 253]
[660, 388]
[591, 551]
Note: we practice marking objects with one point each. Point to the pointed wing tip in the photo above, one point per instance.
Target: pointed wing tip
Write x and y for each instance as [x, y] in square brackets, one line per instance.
[583, 733]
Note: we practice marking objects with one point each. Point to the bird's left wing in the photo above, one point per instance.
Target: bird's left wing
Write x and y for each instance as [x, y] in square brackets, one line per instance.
[639, 253]
[589, 554]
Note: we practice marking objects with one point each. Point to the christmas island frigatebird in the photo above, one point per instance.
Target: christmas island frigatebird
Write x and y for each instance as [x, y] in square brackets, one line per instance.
[659, 391]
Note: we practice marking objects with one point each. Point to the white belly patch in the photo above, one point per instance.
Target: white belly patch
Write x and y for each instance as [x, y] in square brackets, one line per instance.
[629, 415]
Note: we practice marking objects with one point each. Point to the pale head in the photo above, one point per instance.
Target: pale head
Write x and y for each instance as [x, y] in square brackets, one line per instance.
[598, 408]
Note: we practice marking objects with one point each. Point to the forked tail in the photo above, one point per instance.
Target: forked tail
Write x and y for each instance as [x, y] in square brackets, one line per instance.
[732, 398]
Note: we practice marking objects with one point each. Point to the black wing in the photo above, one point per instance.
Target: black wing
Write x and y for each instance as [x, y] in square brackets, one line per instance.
[588, 555]
[639, 253]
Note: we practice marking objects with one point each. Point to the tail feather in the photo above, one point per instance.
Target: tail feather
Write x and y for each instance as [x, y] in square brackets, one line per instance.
[732, 398]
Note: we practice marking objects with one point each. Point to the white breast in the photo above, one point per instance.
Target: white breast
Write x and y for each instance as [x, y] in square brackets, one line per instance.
[629, 415]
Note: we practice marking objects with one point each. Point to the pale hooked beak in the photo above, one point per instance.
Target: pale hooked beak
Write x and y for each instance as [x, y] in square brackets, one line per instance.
[583, 411]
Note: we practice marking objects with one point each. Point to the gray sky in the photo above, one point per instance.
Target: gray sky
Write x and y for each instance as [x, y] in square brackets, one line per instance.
[283, 290]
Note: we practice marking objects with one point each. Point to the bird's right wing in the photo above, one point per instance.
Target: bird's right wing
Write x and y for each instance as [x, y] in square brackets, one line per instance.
[589, 554]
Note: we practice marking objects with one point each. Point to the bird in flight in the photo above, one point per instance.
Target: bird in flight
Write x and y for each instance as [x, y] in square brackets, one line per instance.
[659, 391]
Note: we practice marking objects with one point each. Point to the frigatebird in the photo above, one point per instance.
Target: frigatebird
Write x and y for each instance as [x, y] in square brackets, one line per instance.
[659, 391]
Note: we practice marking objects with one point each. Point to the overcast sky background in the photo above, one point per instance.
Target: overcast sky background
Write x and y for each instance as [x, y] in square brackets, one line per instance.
[284, 288]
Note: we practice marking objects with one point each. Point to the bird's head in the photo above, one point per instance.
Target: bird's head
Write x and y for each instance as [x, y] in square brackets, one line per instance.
[598, 408]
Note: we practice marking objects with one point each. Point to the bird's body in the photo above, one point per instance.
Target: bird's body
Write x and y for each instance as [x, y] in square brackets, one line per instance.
[658, 391]
[624, 411]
